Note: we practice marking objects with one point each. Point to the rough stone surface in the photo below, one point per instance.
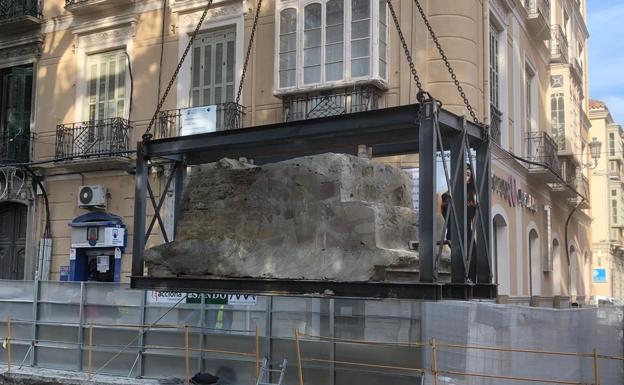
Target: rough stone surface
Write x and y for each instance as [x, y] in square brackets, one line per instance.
[329, 216]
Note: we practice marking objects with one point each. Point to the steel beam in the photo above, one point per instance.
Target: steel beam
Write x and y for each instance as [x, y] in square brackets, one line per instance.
[140, 212]
[484, 221]
[427, 210]
[459, 246]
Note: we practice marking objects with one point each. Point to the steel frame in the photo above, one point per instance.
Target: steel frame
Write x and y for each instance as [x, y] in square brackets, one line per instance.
[424, 128]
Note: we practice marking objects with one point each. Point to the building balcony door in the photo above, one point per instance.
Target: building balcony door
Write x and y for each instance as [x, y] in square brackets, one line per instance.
[13, 217]
[15, 105]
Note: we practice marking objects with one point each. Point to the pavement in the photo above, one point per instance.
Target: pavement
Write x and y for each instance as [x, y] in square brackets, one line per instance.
[38, 376]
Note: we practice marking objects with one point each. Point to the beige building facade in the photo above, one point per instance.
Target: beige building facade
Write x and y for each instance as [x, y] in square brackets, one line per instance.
[93, 72]
[607, 206]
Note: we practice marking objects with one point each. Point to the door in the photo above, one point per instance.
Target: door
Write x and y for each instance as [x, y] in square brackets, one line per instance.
[15, 103]
[212, 71]
[12, 240]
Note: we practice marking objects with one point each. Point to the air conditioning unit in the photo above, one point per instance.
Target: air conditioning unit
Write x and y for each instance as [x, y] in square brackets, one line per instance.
[92, 197]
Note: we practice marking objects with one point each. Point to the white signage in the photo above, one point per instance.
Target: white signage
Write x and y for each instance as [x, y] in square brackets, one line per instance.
[198, 120]
[172, 297]
[114, 236]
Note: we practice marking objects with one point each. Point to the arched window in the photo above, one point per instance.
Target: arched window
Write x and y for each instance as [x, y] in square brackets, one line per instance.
[556, 268]
[557, 119]
[335, 43]
[334, 40]
[288, 48]
[535, 261]
[500, 254]
[312, 32]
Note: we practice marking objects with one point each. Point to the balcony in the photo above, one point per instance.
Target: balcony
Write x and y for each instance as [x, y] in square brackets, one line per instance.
[568, 172]
[172, 123]
[19, 15]
[538, 22]
[331, 103]
[88, 6]
[542, 148]
[15, 148]
[101, 144]
[558, 45]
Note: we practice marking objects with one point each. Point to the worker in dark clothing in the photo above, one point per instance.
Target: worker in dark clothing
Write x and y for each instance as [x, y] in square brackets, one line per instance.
[471, 211]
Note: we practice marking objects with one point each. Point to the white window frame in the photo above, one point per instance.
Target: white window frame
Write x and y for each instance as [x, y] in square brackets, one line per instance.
[108, 34]
[347, 80]
[498, 22]
[232, 17]
[120, 56]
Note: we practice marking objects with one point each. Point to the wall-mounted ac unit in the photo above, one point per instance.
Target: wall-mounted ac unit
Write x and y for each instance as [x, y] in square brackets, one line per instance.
[92, 197]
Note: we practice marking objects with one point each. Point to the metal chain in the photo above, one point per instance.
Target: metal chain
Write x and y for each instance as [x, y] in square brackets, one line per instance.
[408, 54]
[248, 54]
[446, 62]
[147, 135]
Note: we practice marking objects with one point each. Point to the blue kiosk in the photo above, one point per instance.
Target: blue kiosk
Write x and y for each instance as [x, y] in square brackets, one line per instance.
[98, 240]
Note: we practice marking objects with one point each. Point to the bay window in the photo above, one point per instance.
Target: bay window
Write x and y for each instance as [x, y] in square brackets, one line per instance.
[330, 43]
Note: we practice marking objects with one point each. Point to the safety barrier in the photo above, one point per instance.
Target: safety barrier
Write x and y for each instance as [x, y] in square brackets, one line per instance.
[433, 345]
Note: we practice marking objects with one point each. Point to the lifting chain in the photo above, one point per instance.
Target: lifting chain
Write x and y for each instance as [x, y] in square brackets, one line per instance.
[147, 135]
[408, 54]
[473, 115]
[248, 54]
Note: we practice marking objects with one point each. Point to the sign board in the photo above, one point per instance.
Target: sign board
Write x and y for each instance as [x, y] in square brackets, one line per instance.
[198, 120]
[64, 271]
[172, 297]
[112, 237]
[600, 275]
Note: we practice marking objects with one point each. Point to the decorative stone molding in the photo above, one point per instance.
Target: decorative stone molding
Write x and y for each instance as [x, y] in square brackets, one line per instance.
[24, 51]
[215, 13]
[14, 184]
[105, 36]
[104, 31]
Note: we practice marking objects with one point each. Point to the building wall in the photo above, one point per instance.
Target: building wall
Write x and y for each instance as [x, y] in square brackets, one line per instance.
[462, 28]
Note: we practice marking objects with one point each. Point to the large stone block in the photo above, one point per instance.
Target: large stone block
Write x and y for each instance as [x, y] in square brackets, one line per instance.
[329, 216]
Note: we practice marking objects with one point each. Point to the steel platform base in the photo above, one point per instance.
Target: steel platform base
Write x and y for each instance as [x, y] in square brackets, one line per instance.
[311, 288]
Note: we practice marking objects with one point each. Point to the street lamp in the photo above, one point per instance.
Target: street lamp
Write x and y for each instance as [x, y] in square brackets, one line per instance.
[594, 149]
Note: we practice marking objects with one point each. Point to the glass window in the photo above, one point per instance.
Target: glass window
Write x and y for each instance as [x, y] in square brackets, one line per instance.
[288, 48]
[611, 144]
[312, 44]
[494, 67]
[557, 119]
[334, 40]
[213, 68]
[360, 37]
[528, 107]
[383, 39]
[106, 85]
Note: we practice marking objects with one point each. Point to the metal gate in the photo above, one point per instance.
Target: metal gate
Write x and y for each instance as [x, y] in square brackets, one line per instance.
[12, 240]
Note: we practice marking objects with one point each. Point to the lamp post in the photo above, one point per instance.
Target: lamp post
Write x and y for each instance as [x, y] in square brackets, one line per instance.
[594, 149]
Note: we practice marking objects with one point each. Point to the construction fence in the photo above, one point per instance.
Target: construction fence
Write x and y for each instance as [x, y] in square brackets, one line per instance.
[101, 328]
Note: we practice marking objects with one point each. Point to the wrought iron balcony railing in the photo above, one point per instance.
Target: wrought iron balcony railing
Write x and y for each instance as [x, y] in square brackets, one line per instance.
[330, 103]
[100, 138]
[543, 149]
[15, 148]
[229, 116]
[496, 119]
[10, 9]
[558, 45]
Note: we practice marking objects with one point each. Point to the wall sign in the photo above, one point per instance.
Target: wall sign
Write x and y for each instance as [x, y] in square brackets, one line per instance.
[600, 275]
[198, 120]
[173, 297]
[508, 190]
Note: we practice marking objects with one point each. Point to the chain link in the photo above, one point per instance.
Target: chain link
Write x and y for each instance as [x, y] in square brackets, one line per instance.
[147, 135]
[471, 111]
[248, 54]
[408, 54]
